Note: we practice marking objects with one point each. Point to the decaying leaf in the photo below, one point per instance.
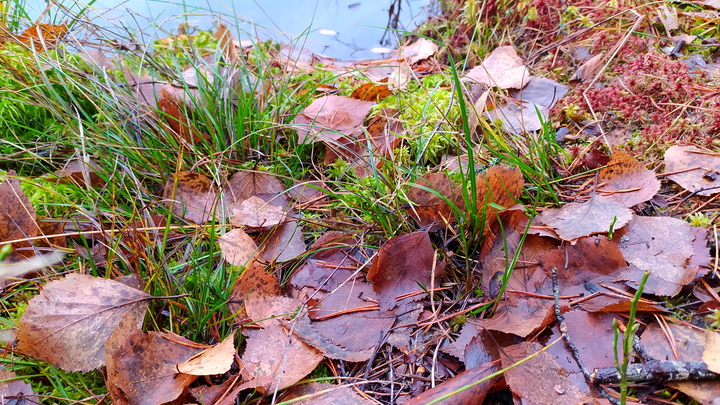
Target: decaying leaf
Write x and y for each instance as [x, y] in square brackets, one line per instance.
[254, 212]
[457, 388]
[43, 36]
[142, 369]
[329, 117]
[384, 131]
[325, 394]
[627, 180]
[598, 215]
[226, 44]
[516, 313]
[212, 361]
[540, 380]
[429, 196]
[700, 169]
[345, 324]
[498, 185]
[68, 323]
[237, 247]
[592, 260]
[594, 337]
[404, 264]
[688, 345]
[661, 245]
[285, 242]
[193, 198]
[371, 92]
[253, 279]
[711, 354]
[250, 183]
[503, 69]
[330, 265]
[537, 97]
[273, 359]
[17, 218]
[14, 391]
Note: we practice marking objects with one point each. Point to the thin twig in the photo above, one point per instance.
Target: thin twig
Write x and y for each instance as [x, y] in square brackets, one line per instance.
[571, 346]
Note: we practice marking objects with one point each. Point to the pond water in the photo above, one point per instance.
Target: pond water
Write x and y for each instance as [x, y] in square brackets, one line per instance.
[343, 29]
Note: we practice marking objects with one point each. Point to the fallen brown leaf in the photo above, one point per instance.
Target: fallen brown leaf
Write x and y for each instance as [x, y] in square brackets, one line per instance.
[274, 359]
[711, 354]
[328, 118]
[661, 245]
[598, 215]
[237, 247]
[254, 212]
[689, 344]
[540, 380]
[429, 196]
[143, 369]
[17, 218]
[15, 391]
[212, 361]
[503, 69]
[193, 198]
[404, 264]
[704, 179]
[627, 180]
[68, 323]
[325, 394]
[468, 396]
[285, 242]
[250, 183]
[371, 92]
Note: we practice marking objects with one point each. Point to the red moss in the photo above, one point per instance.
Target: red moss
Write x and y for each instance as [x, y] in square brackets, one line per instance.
[654, 96]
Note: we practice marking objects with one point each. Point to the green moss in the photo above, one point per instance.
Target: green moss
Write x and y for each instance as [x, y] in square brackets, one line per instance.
[699, 219]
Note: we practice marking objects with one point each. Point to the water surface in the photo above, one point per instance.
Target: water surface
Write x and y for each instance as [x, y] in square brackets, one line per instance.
[344, 29]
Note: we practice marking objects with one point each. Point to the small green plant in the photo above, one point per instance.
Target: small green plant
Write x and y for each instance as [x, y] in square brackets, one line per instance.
[628, 340]
[700, 219]
[713, 319]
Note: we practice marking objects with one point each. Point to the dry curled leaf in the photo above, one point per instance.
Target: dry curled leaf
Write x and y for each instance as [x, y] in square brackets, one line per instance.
[212, 361]
[589, 69]
[68, 323]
